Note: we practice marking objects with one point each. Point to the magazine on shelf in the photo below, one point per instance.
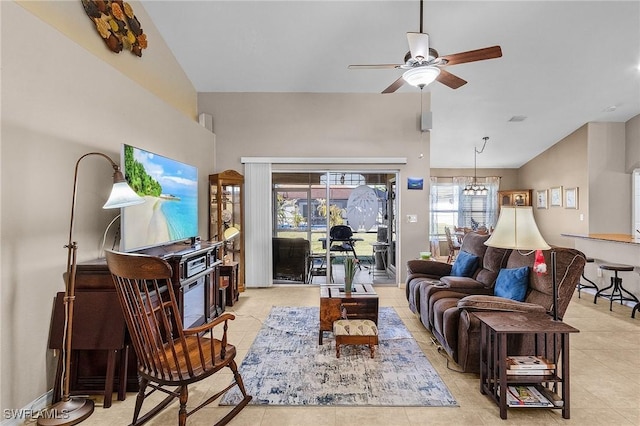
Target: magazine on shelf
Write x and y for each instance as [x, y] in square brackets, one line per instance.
[529, 363]
[526, 396]
[529, 372]
[555, 399]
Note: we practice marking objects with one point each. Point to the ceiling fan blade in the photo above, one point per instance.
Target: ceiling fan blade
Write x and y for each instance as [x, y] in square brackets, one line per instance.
[418, 45]
[473, 55]
[450, 80]
[394, 86]
[373, 67]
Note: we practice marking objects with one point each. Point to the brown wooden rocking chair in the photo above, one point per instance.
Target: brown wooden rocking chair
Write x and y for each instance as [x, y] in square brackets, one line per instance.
[168, 355]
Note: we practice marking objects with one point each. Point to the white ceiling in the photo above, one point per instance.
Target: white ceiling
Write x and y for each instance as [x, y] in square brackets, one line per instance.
[564, 63]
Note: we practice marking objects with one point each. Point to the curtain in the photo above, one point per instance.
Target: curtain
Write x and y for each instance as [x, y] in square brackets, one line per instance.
[477, 210]
[464, 215]
[493, 184]
[258, 224]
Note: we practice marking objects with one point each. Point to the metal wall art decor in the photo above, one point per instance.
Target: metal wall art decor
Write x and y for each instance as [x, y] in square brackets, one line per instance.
[117, 25]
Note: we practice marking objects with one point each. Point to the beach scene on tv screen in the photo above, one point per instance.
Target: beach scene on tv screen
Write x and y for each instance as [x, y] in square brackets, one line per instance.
[170, 190]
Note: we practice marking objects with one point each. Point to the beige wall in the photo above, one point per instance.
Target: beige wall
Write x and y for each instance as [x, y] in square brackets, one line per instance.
[60, 101]
[330, 125]
[609, 183]
[597, 159]
[564, 164]
[632, 136]
[157, 70]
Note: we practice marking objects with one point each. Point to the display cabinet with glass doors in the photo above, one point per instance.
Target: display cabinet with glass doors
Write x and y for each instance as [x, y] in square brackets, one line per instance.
[226, 217]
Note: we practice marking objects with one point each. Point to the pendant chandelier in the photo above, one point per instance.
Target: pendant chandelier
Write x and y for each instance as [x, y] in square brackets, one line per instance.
[475, 188]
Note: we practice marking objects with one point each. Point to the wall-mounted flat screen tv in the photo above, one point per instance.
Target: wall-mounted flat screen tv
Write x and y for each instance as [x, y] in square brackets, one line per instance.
[170, 190]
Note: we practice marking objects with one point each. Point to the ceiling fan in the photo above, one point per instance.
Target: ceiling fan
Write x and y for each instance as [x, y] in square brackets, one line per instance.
[423, 64]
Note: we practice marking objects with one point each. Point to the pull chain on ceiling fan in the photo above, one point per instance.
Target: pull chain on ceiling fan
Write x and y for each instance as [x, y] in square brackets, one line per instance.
[423, 64]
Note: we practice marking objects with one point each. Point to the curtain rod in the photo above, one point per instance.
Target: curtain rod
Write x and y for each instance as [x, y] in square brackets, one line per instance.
[451, 177]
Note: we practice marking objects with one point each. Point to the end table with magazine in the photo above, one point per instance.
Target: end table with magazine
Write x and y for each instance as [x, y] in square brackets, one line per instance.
[536, 380]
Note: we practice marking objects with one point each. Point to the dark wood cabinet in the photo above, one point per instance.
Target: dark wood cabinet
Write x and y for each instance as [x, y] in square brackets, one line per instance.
[226, 216]
[515, 197]
[229, 282]
[99, 331]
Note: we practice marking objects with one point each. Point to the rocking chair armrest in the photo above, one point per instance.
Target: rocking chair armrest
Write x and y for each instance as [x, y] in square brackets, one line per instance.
[210, 325]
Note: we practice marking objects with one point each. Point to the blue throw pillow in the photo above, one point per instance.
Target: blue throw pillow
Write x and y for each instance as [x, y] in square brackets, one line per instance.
[512, 283]
[465, 265]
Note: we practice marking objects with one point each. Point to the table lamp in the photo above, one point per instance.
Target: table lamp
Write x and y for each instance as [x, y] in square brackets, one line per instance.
[71, 411]
[517, 230]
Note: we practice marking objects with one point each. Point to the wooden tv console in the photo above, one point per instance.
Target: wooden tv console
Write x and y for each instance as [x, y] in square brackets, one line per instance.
[100, 342]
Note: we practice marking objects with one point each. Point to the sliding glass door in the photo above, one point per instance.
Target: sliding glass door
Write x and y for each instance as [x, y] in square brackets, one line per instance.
[308, 204]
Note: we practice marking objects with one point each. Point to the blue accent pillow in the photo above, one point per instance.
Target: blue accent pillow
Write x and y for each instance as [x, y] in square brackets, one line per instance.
[512, 283]
[465, 265]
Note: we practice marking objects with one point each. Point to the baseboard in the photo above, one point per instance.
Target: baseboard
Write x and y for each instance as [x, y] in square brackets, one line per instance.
[18, 416]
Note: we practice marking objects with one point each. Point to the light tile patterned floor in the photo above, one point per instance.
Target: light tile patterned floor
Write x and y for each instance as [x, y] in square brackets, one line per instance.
[605, 367]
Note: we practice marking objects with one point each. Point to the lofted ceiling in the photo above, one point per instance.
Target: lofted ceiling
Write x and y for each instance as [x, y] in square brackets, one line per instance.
[564, 63]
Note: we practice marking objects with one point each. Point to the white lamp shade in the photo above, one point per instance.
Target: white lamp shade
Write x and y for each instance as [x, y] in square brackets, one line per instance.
[517, 230]
[122, 196]
[421, 76]
[230, 233]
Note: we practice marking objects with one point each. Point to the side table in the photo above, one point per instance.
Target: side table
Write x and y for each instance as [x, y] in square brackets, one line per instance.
[92, 333]
[229, 274]
[551, 341]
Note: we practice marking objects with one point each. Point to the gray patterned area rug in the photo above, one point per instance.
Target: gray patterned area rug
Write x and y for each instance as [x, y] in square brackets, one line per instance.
[286, 366]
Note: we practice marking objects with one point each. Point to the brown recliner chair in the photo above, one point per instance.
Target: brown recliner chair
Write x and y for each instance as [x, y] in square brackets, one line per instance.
[425, 278]
[458, 329]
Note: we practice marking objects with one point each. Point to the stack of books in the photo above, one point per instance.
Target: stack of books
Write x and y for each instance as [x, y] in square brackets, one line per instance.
[529, 366]
[526, 396]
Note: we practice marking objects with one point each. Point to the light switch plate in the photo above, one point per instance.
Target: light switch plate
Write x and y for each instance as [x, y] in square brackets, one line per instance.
[412, 218]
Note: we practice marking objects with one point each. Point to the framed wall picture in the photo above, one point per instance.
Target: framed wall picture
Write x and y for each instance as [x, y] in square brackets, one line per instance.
[571, 198]
[556, 196]
[415, 183]
[541, 199]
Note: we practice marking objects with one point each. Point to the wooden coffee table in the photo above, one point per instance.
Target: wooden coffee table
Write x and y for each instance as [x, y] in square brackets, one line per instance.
[361, 303]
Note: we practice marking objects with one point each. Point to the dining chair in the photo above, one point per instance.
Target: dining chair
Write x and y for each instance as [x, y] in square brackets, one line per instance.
[453, 247]
[168, 354]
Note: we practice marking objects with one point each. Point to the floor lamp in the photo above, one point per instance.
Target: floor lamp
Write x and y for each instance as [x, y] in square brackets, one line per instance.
[70, 411]
[517, 230]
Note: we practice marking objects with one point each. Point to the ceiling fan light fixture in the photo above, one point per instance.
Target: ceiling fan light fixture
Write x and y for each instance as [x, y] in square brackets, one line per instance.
[421, 76]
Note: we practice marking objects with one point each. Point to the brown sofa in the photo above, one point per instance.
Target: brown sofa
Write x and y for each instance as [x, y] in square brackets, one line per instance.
[446, 306]
[425, 277]
[291, 259]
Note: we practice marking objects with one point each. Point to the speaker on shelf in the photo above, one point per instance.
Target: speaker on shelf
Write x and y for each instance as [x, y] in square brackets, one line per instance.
[206, 121]
[426, 122]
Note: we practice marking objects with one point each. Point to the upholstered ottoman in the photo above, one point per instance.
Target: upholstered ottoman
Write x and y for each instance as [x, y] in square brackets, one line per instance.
[355, 332]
